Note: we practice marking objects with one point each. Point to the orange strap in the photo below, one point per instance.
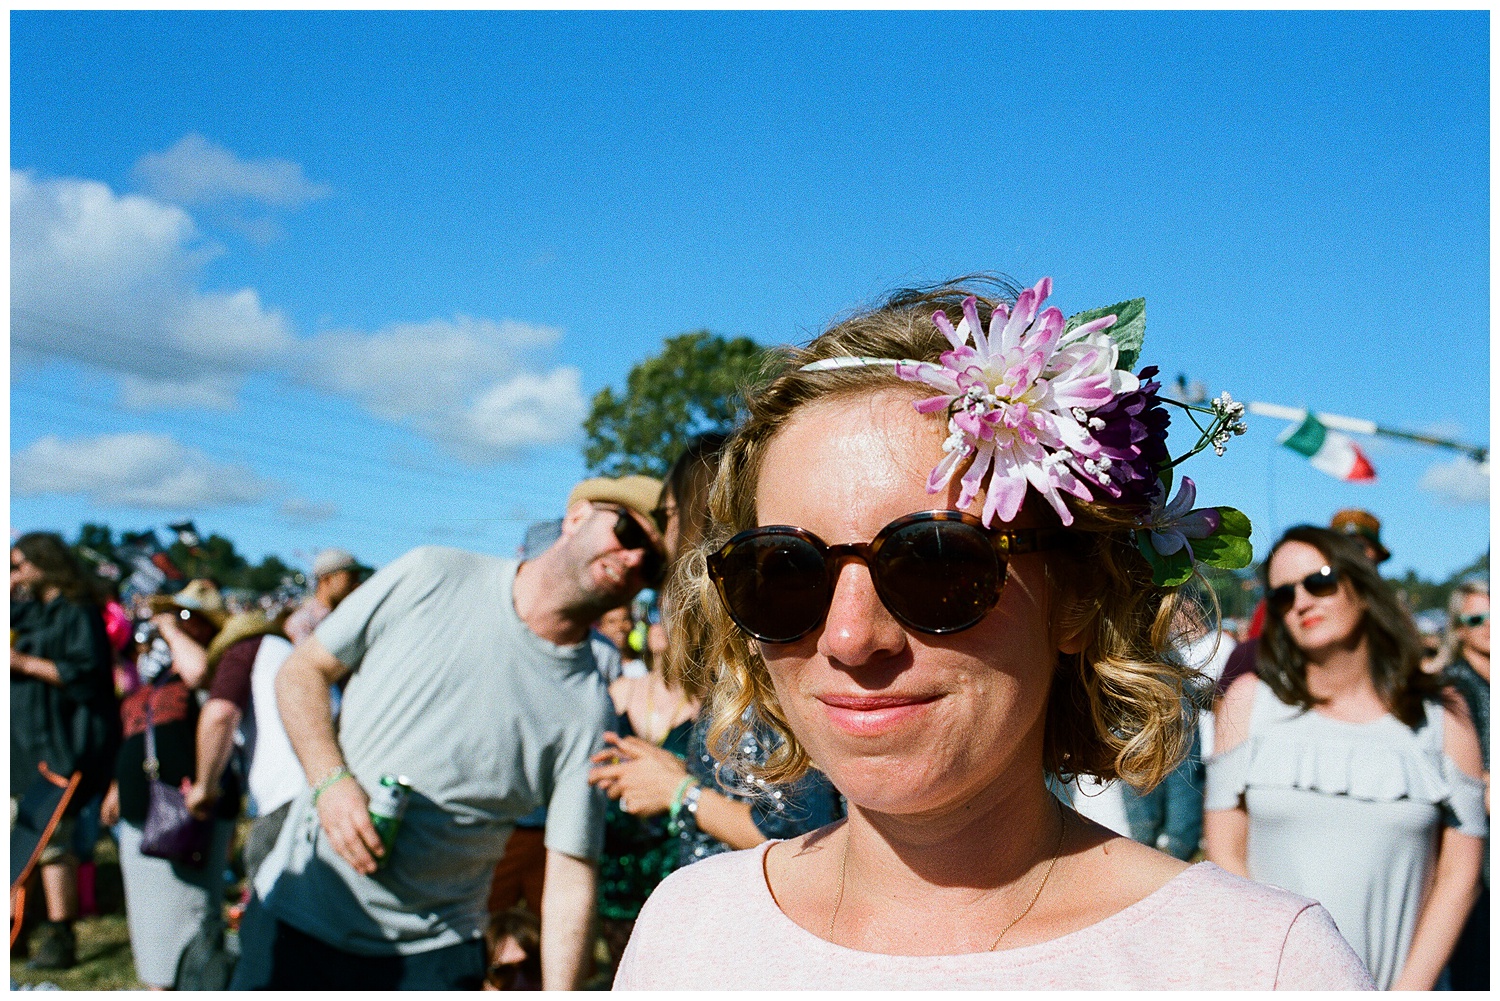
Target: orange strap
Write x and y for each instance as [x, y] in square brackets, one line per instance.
[18, 888]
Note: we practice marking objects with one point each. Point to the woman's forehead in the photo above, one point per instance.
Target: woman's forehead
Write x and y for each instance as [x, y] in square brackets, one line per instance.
[847, 458]
[1293, 560]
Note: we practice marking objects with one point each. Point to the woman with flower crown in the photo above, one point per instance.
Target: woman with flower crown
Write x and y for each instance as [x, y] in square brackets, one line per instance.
[944, 567]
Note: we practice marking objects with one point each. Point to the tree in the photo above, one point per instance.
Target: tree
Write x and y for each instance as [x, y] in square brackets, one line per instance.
[693, 387]
[268, 576]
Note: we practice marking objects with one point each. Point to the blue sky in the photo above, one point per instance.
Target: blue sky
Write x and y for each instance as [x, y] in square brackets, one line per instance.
[352, 278]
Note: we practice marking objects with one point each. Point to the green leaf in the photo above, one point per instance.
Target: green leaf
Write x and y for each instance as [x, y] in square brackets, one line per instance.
[1230, 552]
[1166, 571]
[1128, 332]
[1233, 522]
[1229, 547]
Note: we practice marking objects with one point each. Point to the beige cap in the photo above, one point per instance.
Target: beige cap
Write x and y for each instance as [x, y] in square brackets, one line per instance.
[332, 561]
[639, 493]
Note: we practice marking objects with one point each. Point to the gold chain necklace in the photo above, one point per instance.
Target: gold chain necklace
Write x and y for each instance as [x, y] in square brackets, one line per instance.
[1062, 830]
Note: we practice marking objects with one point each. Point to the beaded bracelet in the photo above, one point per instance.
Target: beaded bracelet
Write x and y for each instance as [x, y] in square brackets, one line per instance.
[341, 772]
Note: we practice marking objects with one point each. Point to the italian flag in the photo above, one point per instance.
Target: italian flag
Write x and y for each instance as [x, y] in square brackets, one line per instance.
[1330, 451]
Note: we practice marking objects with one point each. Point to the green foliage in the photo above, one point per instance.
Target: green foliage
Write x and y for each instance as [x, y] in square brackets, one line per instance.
[693, 387]
[1166, 571]
[1237, 590]
[1229, 547]
[99, 538]
[215, 558]
[1128, 332]
[267, 576]
[1418, 594]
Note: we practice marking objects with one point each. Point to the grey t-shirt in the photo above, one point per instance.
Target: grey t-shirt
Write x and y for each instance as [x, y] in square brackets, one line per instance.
[487, 720]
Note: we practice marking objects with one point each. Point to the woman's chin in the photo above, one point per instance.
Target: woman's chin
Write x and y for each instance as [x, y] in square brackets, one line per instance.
[893, 786]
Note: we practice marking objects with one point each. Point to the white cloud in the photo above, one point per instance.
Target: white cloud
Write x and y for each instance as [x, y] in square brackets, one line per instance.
[197, 172]
[463, 382]
[524, 410]
[111, 281]
[305, 512]
[135, 469]
[1461, 481]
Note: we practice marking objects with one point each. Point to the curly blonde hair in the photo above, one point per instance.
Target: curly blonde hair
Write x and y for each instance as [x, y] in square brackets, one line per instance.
[1121, 708]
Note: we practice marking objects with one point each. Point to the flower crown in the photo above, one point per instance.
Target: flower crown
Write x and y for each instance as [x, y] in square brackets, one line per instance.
[1052, 404]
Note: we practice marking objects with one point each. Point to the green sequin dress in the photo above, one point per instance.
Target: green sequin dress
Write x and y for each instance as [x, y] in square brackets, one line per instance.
[638, 851]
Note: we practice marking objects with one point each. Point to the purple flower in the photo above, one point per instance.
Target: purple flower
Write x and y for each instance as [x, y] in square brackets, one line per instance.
[1171, 525]
[1132, 434]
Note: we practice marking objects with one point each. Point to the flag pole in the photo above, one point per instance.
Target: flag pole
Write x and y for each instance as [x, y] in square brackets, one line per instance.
[1357, 425]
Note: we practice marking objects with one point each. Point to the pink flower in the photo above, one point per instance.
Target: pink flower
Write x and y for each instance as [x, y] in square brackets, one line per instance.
[1018, 400]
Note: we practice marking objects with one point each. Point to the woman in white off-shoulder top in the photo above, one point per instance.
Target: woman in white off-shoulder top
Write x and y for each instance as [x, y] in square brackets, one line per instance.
[1346, 774]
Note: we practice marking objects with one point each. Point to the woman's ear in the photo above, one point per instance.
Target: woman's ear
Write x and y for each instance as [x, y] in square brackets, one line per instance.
[1073, 622]
[1073, 643]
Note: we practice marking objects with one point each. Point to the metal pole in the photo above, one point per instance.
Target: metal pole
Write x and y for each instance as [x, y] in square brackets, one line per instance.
[1356, 425]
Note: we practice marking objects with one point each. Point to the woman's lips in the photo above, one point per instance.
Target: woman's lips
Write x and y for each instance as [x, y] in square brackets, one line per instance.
[869, 715]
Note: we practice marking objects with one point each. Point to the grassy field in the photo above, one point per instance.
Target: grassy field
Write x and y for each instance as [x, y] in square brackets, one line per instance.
[104, 961]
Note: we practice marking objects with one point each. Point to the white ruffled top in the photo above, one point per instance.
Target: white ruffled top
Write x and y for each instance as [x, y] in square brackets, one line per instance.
[1348, 814]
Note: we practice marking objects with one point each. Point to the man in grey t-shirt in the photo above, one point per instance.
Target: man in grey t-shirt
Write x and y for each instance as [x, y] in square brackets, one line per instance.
[472, 677]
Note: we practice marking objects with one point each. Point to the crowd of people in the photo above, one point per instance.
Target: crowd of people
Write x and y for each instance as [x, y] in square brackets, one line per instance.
[854, 697]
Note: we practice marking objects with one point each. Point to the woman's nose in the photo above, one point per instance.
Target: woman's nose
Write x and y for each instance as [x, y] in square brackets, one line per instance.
[859, 629]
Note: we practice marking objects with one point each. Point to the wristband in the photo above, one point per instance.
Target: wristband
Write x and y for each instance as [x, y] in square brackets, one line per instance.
[676, 807]
[328, 780]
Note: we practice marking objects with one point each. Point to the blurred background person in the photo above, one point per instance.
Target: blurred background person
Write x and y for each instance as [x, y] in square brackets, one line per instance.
[64, 728]
[1468, 672]
[641, 851]
[336, 574]
[1342, 773]
[1353, 523]
[168, 902]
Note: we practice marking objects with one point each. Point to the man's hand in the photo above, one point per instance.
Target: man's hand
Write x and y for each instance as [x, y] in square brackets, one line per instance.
[200, 799]
[109, 810]
[639, 774]
[344, 811]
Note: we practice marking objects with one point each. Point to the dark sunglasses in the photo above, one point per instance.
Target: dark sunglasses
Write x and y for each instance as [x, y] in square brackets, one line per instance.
[1279, 600]
[935, 571]
[1477, 619]
[630, 535]
[659, 517]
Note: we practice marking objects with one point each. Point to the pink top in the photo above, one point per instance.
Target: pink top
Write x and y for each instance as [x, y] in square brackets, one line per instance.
[715, 926]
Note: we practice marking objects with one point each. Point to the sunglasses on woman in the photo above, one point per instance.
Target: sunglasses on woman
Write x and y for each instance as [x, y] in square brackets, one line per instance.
[1320, 585]
[631, 535]
[935, 572]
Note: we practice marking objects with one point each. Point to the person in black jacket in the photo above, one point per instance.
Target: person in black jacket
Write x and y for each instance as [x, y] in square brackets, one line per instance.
[64, 719]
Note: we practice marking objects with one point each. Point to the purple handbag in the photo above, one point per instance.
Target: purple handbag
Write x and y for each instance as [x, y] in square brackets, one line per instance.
[170, 831]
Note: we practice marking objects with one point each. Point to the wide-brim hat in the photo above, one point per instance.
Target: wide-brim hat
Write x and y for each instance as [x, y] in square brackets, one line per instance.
[199, 596]
[639, 493]
[1354, 521]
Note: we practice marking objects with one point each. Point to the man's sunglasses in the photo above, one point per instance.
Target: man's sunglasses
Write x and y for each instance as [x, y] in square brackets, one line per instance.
[630, 535]
[1477, 619]
[1279, 600]
[935, 571]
